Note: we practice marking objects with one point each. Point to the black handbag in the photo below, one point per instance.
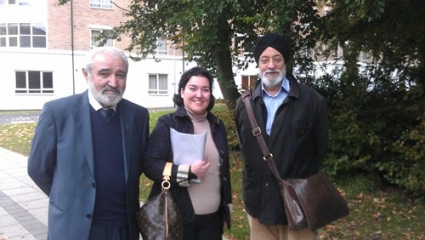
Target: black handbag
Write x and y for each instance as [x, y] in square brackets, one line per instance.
[159, 218]
[312, 202]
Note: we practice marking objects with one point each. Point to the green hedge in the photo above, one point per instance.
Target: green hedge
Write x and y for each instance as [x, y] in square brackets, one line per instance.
[377, 130]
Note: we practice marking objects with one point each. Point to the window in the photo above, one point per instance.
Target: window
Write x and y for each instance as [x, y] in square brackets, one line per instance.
[364, 56]
[8, 2]
[34, 82]
[95, 33]
[24, 35]
[158, 84]
[248, 82]
[104, 4]
[23, 2]
[161, 45]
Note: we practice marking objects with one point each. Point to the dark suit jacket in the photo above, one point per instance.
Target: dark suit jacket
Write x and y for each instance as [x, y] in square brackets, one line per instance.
[61, 163]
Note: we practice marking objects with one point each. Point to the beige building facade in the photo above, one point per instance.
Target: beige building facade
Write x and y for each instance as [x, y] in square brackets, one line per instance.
[43, 47]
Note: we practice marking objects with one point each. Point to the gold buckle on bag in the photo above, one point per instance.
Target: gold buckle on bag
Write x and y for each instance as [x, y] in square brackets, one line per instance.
[256, 131]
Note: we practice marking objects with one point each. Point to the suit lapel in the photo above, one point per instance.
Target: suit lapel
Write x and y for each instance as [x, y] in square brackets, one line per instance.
[83, 128]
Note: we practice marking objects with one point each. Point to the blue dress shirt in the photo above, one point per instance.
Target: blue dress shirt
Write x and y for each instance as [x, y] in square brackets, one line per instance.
[273, 102]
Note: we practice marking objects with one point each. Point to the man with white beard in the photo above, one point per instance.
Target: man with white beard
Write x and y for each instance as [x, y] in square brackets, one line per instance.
[86, 154]
[293, 119]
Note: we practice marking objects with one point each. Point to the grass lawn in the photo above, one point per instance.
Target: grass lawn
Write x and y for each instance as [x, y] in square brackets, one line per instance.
[376, 213]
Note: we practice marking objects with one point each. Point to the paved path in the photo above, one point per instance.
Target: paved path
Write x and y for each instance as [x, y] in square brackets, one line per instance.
[23, 206]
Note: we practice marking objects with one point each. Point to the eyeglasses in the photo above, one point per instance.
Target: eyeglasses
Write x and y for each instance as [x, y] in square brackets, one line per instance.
[277, 60]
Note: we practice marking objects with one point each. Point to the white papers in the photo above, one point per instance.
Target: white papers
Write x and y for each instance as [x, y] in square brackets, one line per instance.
[187, 148]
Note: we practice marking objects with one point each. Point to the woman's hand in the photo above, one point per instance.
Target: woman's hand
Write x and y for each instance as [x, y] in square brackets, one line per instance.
[199, 168]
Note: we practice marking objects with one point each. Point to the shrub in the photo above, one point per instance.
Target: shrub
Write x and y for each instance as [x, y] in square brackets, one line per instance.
[380, 130]
[226, 116]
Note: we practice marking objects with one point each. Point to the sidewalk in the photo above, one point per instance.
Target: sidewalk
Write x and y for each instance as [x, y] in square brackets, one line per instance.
[23, 206]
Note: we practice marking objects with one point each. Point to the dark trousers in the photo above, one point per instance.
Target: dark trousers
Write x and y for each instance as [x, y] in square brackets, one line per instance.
[100, 233]
[205, 227]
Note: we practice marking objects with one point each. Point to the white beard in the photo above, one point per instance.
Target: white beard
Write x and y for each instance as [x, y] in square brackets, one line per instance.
[273, 81]
[105, 100]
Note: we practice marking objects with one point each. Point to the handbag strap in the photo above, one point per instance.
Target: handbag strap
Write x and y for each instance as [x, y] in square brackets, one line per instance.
[256, 131]
[166, 174]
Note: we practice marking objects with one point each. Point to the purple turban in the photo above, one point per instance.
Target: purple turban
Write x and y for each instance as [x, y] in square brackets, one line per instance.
[271, 40]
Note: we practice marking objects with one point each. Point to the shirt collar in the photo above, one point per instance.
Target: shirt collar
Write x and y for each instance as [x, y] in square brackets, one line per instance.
[95, 104]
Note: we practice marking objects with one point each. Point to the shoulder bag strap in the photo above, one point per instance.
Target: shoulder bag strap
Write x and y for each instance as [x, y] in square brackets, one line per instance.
[256, 131]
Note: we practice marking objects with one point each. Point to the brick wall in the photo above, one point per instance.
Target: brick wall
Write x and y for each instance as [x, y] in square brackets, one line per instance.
[85, 18]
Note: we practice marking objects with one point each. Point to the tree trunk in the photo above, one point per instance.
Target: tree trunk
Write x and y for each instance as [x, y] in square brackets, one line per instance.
[225, 78]
[223, 62]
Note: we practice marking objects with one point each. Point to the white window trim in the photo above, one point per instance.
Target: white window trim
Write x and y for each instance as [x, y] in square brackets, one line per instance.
[27, 90]
[110, 41]
[18, 36]
[157, 91]
[160, 50]
[102, 4]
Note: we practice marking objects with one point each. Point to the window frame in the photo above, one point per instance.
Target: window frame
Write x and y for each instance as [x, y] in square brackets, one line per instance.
[161, 46]
[247, 82]
[101, 4]
[22, 2]
[156, 90]
[364, 57]
[27, 82]
[8, 2]
[110, 42]
[21, 39]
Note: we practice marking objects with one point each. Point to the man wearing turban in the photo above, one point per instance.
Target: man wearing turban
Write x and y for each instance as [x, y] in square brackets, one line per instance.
[294, 123]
